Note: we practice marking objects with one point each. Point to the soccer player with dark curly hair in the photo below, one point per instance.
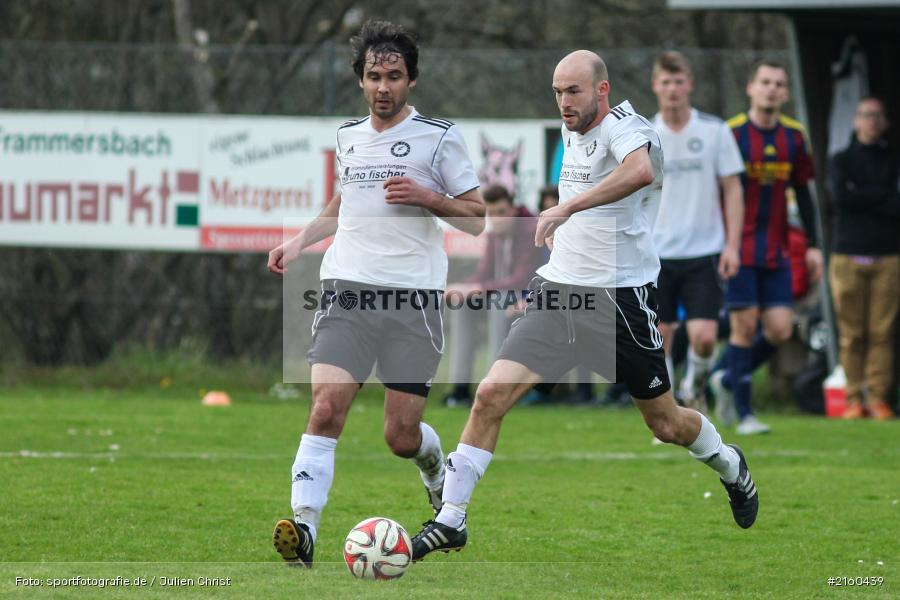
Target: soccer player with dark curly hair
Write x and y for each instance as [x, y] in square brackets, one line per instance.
[400, 171]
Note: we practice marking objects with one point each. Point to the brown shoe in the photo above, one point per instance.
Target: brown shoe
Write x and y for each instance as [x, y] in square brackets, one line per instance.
[854, 410]
[880, 411]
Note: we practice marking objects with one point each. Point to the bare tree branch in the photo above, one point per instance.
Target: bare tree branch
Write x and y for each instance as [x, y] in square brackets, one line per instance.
[303, 53]
[198, 43]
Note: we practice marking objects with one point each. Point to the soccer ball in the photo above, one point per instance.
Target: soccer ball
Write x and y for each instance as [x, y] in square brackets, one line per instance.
[378, 548]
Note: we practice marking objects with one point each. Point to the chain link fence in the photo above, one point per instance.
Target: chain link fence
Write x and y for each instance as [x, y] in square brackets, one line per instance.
[318, 80]
[78, 307]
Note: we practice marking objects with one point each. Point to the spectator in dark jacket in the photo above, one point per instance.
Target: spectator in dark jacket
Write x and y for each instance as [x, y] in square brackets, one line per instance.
[509, 261]
[865, 262]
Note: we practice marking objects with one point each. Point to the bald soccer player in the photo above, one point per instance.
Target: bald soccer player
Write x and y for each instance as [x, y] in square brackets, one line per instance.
[602, 255]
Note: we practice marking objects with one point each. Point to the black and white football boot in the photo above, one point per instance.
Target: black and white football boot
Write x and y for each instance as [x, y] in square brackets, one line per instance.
[742, 494]
[294, 543]
[436, 536]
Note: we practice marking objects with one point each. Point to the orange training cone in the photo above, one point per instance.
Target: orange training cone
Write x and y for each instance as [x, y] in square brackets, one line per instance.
[215, 398]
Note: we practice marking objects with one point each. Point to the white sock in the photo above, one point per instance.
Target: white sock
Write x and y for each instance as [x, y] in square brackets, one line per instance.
[697, 369]
[670, 367]
[464, 468]
[311, 477]
[709, 449]
[430, 458]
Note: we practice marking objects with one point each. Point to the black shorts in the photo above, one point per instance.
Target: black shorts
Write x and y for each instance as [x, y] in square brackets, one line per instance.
[692, 281]
[400, 331]
[612, 331]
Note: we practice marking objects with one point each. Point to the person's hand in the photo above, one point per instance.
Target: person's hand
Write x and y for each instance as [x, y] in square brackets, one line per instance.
[548, 222]
[404, 190]
[282, 255]
[814, 264]
[729, 263]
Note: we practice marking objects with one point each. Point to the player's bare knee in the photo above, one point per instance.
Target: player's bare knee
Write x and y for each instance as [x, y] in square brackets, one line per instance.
[744, 324]
[704, 344]
[325, 416]
[663, 429]
[403, 442]
[778, 334]
[746, 328]
[490, 401]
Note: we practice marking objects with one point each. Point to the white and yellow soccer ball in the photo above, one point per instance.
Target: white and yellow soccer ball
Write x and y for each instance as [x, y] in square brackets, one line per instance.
[378, 548]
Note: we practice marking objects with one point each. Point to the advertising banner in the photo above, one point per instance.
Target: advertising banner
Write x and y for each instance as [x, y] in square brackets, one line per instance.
[203, 182]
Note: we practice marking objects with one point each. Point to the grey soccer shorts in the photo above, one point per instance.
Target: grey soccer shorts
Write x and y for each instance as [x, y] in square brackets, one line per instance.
[399, 331]
[612, 331]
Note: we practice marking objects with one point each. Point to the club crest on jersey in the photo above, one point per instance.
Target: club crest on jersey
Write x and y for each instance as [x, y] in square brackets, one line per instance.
[695, 145]
[592, 148]
[400, 149]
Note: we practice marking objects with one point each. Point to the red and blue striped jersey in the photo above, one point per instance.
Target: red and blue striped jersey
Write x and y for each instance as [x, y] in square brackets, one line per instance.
[774, 160]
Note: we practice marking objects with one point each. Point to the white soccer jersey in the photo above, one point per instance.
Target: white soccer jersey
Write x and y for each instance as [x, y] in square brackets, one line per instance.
[690, 224]
[388, 244]
[611, 245]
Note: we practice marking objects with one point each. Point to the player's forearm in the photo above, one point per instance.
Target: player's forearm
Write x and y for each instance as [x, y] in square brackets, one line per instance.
[633, 174]
[317, 231]
[733, 194]
[323, 226]
[465, 212]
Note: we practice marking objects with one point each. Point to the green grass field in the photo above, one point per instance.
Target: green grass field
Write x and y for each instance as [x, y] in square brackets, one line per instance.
[140, 480]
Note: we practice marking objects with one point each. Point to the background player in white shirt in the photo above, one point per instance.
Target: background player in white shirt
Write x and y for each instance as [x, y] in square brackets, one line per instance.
[399, 170]
[603, 250]
[696, 247]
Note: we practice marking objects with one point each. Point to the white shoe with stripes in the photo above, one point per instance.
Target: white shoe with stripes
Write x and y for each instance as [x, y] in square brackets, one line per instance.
[436, 536]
